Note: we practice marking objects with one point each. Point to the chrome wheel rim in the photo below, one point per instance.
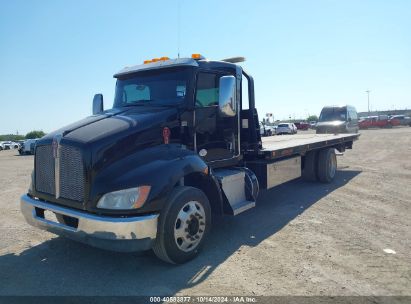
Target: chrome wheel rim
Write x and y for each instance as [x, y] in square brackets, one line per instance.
[333, 165]
[189, 226]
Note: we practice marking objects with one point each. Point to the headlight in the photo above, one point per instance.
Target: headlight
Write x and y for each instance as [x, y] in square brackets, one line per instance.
[132, 198]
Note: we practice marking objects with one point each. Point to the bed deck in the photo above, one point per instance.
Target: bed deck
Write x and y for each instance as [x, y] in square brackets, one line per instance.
[285, 145]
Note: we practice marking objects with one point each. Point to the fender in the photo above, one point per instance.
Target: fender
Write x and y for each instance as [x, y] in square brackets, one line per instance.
[161, 167]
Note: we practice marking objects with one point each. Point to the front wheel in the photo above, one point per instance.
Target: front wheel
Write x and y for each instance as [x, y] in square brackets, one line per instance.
[183, 226]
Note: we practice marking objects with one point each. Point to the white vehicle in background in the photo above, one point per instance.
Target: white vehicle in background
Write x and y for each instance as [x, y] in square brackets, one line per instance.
[272, 129]
[6, 145]
[27, 147]
[265, 130]
[286, 128]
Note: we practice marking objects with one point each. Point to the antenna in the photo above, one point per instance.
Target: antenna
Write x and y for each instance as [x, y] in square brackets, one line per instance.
[178, 28]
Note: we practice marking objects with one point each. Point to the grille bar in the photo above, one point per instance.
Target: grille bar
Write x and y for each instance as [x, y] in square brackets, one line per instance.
[45, 181]
[71, 171]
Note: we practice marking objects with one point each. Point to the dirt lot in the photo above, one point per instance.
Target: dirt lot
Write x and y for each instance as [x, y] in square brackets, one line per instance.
[302, 239]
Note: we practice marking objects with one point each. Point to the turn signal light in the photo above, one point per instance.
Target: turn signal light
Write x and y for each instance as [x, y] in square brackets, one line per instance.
[143, 194]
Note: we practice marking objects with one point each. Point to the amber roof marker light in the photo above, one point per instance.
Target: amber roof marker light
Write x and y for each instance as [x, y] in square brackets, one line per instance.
[197, 56]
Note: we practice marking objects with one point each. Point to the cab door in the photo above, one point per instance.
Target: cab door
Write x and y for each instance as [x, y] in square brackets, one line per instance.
[216, 137]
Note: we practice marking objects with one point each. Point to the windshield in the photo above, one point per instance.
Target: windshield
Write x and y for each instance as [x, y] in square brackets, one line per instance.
[332, 114]
[283, 125]
[159, 87]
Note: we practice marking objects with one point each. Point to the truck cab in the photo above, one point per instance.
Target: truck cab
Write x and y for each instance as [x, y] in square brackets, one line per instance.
[175, 149]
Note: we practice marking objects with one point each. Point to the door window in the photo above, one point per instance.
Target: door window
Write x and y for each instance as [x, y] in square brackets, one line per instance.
[207, 90]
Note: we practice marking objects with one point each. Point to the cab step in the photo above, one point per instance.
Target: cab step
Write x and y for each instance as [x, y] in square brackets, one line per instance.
[232, 183]
[242, 206]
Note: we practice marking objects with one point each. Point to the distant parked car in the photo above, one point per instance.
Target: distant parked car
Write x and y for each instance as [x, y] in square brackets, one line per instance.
[286, 128]
[336, 119]
[5, 145]
[28, 146]
[264, 131]
[381, 121]
[404, 120]
[273, 129]
[302, 125]
[313, 124]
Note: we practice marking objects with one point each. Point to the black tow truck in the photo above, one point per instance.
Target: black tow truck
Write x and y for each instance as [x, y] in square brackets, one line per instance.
[180, 144]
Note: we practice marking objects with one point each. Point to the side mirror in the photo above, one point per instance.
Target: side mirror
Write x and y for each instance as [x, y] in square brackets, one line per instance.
[226, 98]
[349, 119]
[98, 104]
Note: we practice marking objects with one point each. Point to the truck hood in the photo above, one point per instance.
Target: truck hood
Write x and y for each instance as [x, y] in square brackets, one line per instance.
[118, 132]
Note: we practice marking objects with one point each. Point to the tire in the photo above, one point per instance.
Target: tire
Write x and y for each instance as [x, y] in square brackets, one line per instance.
[327, 165]
[309, 172]
[172, 244]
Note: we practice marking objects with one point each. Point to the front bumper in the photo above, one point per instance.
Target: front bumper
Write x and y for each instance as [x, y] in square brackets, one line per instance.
[126, 234]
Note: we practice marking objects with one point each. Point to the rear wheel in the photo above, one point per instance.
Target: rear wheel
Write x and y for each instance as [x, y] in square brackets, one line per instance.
[183, 225]
[309, 172]
[327, 165]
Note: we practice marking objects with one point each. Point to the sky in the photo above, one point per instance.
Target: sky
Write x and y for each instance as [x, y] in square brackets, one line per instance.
[55, 55]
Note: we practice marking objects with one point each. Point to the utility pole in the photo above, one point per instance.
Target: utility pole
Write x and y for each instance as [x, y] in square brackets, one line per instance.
[368, 95]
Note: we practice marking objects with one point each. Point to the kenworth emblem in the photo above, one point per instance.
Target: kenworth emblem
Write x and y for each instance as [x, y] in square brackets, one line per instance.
[56, 154]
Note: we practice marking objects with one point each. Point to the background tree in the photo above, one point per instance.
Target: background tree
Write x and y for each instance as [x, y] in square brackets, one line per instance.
[312, 118]
[11, 137]
[35, 134]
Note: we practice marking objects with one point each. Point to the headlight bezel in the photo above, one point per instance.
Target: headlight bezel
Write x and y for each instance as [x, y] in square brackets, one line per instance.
[125, 199]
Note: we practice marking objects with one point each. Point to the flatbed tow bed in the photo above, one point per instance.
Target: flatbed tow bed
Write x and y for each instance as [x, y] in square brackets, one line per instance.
[280, 146]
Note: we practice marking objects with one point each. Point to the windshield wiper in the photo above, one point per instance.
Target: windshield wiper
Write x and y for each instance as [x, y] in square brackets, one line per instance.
[141, 102]
[168, 105]
[147, 102]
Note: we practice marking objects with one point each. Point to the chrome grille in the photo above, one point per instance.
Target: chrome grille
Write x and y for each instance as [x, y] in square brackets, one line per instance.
[45, 170]
[71, 173]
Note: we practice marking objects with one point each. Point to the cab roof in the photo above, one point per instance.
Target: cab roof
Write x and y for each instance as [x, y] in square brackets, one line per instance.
[157, 65]
[168, 63]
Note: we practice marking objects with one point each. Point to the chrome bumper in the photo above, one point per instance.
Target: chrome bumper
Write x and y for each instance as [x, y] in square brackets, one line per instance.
[112, 233]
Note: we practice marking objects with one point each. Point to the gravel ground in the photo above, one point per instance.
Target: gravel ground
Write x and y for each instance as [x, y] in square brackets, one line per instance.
[351, 237]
